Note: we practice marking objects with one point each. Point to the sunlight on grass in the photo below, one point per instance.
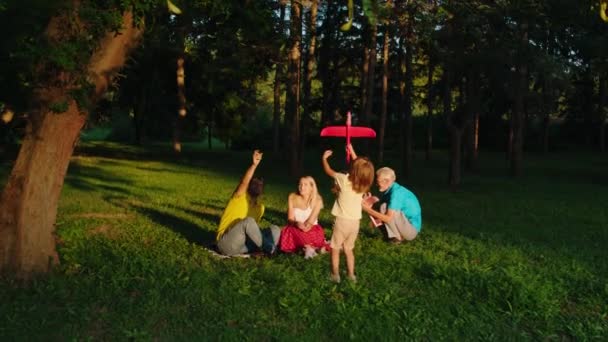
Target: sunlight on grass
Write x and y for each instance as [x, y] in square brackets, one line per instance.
[499, 259]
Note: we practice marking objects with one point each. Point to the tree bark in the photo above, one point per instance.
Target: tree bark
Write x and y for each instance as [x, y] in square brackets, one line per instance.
[308, 72]
[517, 116]
[382, 124]
[408, 96]
[472, 128]
[293, 93]
[429, 115]
[181, 84]
[601, 112]
[28, 206]
[278, 74]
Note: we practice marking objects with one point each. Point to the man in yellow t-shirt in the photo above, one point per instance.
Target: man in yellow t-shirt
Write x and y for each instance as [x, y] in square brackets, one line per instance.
[239, 230]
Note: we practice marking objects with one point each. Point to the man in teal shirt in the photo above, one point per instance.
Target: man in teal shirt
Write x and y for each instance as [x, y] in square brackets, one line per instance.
[398, 208]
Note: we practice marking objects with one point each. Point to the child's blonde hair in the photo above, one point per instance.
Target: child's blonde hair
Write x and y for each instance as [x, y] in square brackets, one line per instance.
[361, 174]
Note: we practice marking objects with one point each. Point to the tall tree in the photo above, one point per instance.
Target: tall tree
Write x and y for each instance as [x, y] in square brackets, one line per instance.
[28, 206]
[385, 76]
[292, 105]
[278, 75]
[517, 115]
[182, 29]
[309, 66]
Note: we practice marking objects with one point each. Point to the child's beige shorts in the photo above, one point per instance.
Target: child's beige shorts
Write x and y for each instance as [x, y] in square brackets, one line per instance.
[345, 233]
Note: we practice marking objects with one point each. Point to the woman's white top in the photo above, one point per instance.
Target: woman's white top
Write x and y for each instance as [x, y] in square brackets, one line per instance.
[302, 215]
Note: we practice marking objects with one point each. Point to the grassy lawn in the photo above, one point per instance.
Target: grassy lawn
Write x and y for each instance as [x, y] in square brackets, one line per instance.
[499, 259]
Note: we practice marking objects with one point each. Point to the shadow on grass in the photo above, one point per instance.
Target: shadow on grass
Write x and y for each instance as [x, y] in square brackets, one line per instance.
[190, 231]
[79, 174]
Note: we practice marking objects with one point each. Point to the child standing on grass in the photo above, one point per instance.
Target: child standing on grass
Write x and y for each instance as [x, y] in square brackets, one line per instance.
[347, 209]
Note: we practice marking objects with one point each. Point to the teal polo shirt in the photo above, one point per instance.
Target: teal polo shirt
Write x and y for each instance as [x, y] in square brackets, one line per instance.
[398, 198]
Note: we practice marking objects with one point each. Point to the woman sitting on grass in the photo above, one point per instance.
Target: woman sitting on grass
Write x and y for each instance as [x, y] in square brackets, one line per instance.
[303, 231]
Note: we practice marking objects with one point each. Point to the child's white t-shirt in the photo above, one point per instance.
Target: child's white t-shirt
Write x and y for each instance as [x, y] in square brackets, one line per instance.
[348, 202]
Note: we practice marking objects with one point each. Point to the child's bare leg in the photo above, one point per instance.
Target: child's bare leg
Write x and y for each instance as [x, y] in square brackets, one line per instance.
[350, 262]
[335, 264]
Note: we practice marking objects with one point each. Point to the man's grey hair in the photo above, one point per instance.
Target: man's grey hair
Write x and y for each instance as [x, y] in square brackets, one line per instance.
[386, 173]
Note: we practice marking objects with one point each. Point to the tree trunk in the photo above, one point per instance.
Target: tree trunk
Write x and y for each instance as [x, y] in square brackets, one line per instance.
[382, 125]
[326, 63]
[601, 111]
[454, 175]
[293, 92]
[181, 85]
[366, 116]
[472, 128]
[278, 74]
[408, 99]
[517, 120]
[546, 98]
[28, 206]
[308, 72]
[364, 74]
[429, 115]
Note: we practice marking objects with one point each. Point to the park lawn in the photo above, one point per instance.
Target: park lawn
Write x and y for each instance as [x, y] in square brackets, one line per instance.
[498, 259]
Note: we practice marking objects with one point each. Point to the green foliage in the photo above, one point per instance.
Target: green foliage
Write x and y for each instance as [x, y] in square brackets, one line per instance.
[497, 260]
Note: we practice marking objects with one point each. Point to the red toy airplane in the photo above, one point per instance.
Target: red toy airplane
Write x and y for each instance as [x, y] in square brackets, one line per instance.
[348, 131]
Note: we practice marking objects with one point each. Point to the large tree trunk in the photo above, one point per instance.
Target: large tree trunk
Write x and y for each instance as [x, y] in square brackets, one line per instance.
[278, 74]
[293, 91]
[29, 201]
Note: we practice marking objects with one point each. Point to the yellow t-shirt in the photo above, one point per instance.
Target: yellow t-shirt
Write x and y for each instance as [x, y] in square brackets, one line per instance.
[237, 209]
[348, 203]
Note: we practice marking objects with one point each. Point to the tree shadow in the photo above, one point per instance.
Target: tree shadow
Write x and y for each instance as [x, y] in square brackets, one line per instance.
[189, 230]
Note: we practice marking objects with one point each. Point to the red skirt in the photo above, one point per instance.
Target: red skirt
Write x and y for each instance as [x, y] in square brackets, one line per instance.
[293, 239]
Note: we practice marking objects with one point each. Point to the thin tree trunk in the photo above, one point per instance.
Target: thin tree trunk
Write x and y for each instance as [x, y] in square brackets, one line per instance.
[371, 82]
[517, 122]
[382, 125]
[28, 206]
[408, 132]
[181, 86]
[364, 74]
[429, 115]
[278, 74]
[293, 94]
[454, 176]
[472, 129]
[308, 73]
[601, 111]
[546, 98]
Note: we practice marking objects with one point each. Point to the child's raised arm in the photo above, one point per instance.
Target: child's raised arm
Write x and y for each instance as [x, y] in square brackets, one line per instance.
[328, 170]
[351, 149]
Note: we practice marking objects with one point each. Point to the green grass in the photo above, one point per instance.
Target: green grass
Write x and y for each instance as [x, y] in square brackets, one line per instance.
[499, 259]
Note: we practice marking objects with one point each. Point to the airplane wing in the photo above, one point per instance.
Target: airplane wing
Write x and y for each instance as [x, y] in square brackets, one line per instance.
[353, 131]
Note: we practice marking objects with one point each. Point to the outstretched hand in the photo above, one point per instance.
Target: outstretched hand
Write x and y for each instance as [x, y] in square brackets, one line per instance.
[257, 157]
[327, 154]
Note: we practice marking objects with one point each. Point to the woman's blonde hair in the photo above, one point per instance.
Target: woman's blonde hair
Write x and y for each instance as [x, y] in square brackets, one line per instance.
[361, 174]
[314, 194]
